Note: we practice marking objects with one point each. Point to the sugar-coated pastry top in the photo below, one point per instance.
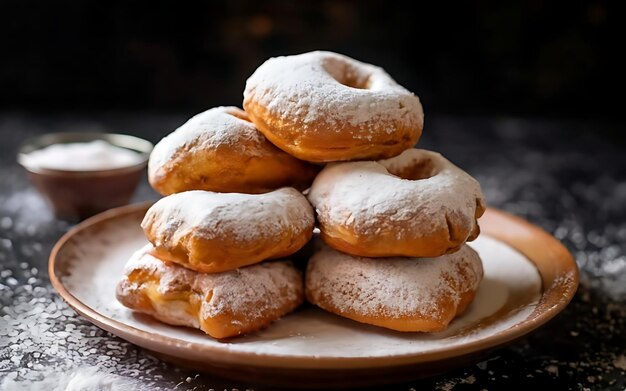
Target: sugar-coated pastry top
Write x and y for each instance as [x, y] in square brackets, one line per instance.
[221, 150]
[219, 126]
[214, 232]
[245, 217]
[320, 105]
[392, 287]
[313, 85]
[416, 194]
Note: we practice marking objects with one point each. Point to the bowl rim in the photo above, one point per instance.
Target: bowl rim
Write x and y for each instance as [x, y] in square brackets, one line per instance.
[142, 146]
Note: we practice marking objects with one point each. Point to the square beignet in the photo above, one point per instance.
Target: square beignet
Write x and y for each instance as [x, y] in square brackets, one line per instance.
[222, 305]
[403, 294]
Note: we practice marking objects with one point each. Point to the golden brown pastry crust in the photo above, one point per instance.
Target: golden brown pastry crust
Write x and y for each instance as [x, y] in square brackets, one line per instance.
[222, 305]
[324, 107]
[403, 294]
[417, 204]
[221, 150]
[215, 232]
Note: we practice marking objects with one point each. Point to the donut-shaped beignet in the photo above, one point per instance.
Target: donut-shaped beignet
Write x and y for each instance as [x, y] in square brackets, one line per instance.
[220, 304]
[417, 204]
[324, 107]
[404, 294]
[221, 150]
[215, 232]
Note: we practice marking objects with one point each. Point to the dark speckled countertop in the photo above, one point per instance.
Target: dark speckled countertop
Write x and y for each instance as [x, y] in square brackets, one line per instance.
[566, 177]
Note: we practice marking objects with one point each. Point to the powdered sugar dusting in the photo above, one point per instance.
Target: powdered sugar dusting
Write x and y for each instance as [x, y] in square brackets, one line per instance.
[47, 346]
[88, 156]
[246, 217]
[391, 287]
[250, 290]
[309, 332]
[368, 199]
[78, 379]
[332, 89]
[220, 126]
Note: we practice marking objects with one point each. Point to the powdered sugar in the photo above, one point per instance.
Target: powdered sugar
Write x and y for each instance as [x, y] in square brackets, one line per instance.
[220, 126]
[245, 217]
[45, 345]
[94, 155]
[78, 379]
[254, 290]
[368, 199]
[391, 287]
[510, 288]
[334, 90]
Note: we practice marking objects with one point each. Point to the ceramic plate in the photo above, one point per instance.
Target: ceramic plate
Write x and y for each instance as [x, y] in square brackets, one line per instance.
[529, 278]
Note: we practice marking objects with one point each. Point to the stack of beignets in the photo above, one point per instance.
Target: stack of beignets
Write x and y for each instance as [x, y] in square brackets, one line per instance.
[392, 249]
[202, 267]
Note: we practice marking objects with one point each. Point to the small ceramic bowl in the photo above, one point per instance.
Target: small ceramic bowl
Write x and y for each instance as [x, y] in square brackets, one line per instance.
[75, 195]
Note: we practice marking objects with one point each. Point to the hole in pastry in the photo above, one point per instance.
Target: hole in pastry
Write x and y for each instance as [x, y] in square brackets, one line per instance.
[347, 74]
[208, 296]
[419, 169]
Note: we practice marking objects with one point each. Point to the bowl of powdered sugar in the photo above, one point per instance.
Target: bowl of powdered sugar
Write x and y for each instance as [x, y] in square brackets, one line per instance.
[82, 174]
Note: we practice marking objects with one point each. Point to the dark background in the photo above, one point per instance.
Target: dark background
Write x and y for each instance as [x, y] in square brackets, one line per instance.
[515, 58]
[525, 96]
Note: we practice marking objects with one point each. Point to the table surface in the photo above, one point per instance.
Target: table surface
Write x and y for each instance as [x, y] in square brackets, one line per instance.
[566, 177]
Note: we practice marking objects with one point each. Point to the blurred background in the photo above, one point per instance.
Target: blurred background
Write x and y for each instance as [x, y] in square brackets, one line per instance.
[514, 58]
[527, 96]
